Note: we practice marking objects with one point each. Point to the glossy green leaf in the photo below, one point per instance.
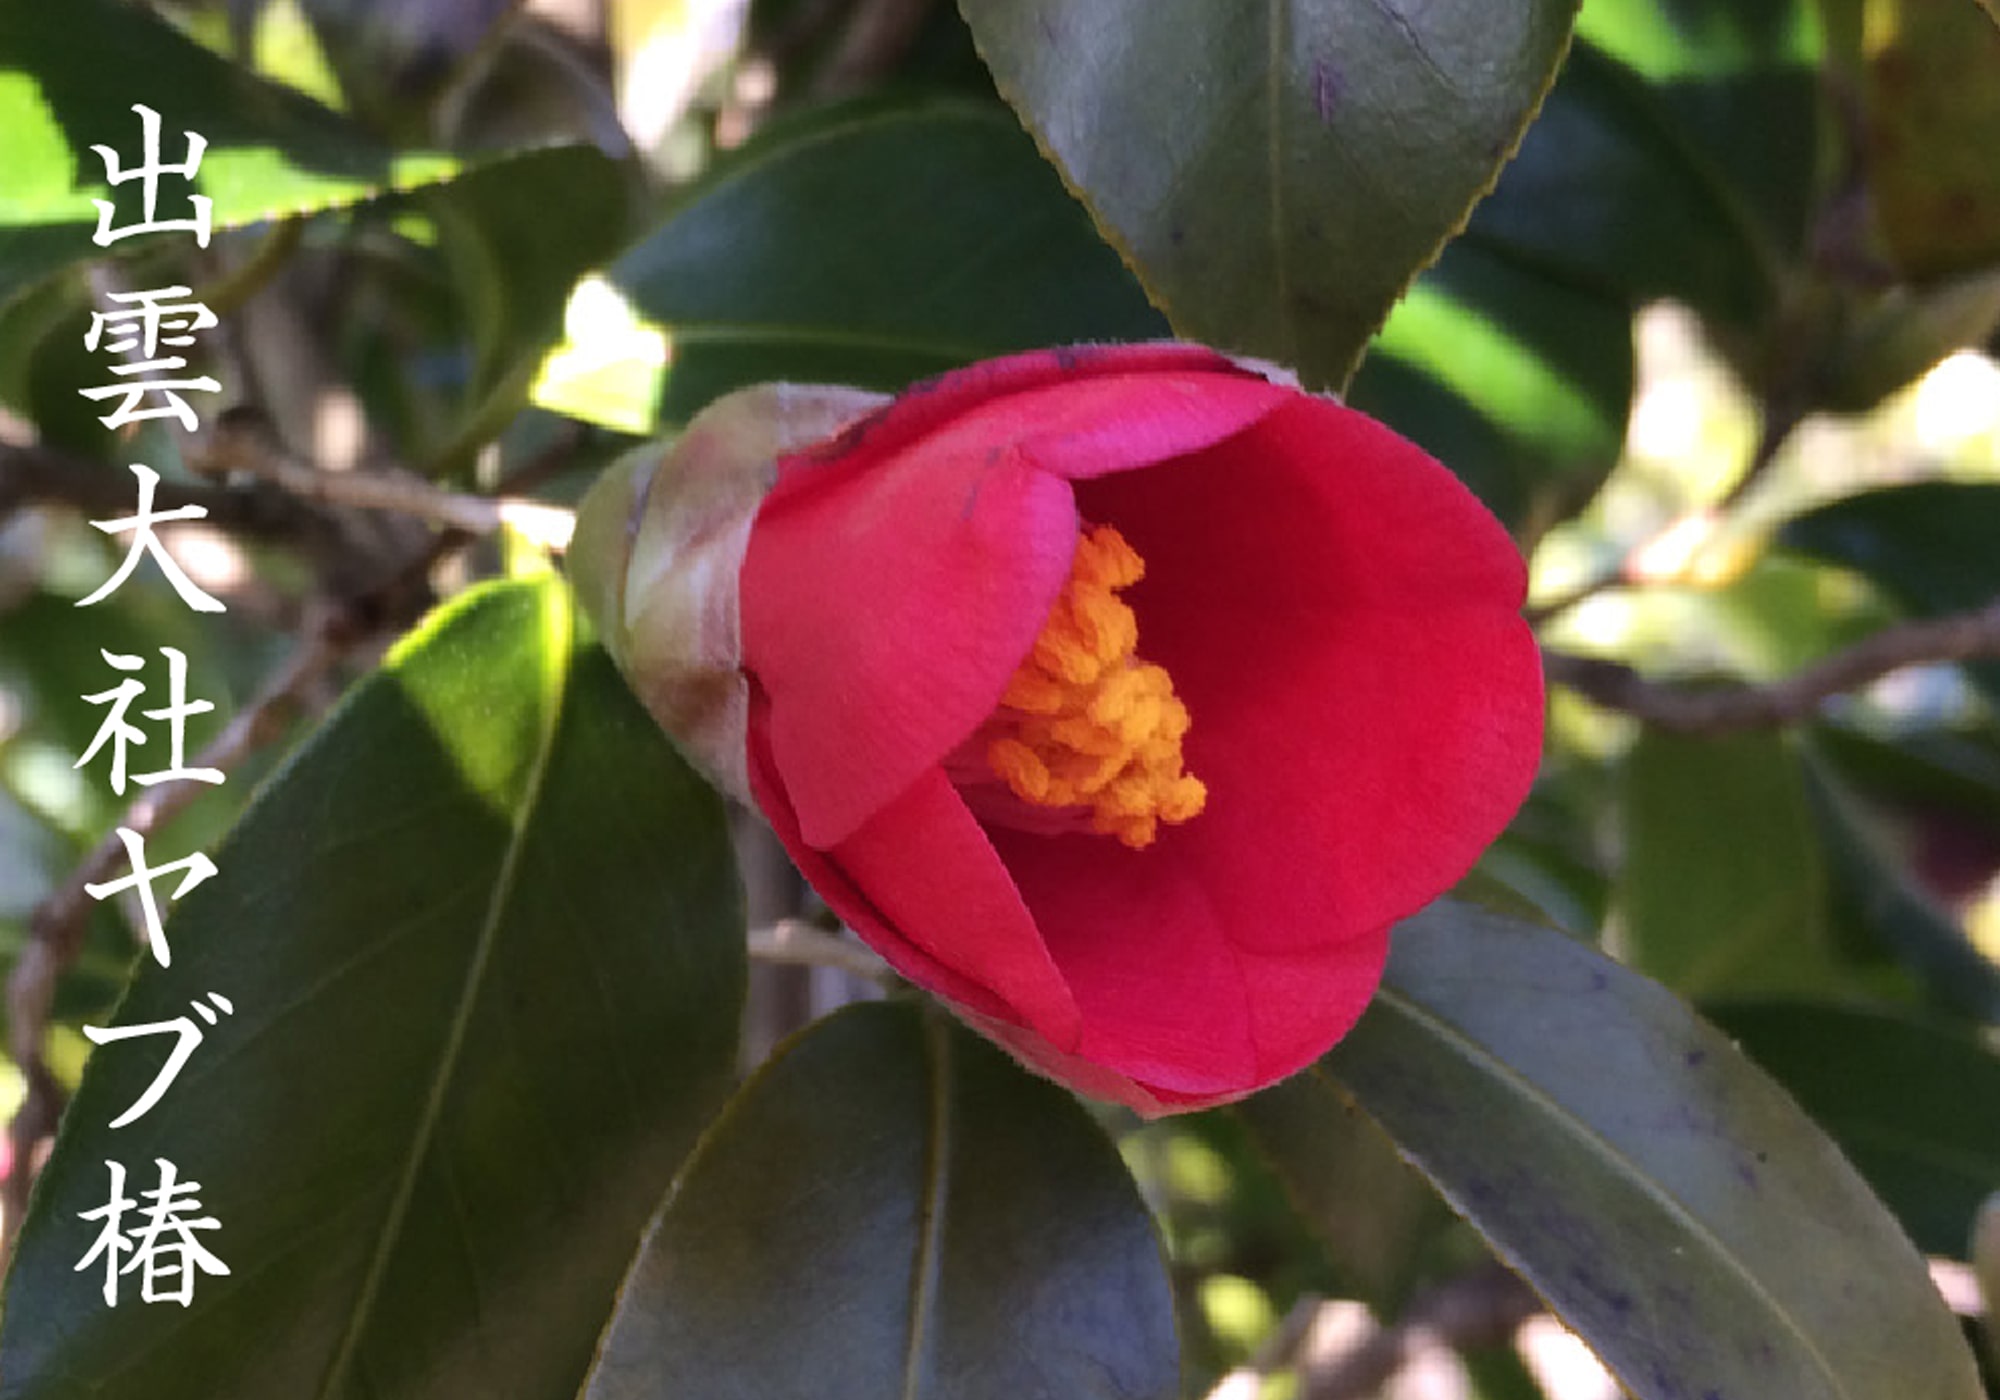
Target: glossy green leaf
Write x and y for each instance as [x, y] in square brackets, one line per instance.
[874, 247]
[892, 1208]
[69, 75]
[1928, 545]
[1369, 1211]
[43, 362]
[1879, 905]
[1909, 1103]
[518, 233]
[1609, 192]
[1952, 771]
[1737, 84]
[1276, 174]
[1672, 158]
[1723, 885]
[1516, 378]
[1660, 1192]
[48, 662]
[482, 939]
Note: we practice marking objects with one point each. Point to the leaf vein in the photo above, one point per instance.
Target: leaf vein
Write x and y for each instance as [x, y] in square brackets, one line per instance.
[555, 624]
[937, 1186]
[1506, 1075]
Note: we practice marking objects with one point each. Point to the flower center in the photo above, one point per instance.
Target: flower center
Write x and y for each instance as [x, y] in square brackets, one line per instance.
[1085, 724]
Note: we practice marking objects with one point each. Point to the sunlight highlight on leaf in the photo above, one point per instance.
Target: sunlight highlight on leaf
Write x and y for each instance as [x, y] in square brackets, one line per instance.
[612, 364]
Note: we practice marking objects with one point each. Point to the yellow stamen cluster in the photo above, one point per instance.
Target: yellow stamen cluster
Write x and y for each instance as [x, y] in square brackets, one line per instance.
[1084, 722]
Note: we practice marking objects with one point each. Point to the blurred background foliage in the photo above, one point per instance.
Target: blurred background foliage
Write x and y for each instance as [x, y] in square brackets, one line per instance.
[1718, 346]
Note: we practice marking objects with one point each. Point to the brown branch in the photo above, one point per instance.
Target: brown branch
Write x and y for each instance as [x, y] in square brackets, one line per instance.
[57, 927]
[246, 448]
[44, 476]
[40, 475]
[1725, 709]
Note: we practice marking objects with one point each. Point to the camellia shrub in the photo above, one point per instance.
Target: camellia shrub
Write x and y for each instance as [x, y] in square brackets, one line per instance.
[1035, 698]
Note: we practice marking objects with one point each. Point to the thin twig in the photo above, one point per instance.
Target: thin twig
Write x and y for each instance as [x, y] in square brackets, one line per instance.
[552, 458]
[251, 451]
[1725, 709]
[57, 927]
[41, 475]
[799, 944]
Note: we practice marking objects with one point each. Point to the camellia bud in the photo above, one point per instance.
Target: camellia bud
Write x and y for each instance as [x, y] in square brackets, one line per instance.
[657, 559]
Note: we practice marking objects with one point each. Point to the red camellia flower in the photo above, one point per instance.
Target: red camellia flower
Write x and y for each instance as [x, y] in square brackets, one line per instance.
[1122, 697]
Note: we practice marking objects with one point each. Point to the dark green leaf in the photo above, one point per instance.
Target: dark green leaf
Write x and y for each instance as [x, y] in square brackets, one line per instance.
[1517, 380]
[1928, 545]
[52, 655]
[1738, 85]
[1276, 174]
[1951, 771]
[892, 1208]
[873, 248]
[1909, 1103]
[483, 942]
[1723, 884]
[1371, 1213]
[69, 75]
[1883, 909]
[519, 232]
[1606, 190]
[43, 362]
[1668, 1200]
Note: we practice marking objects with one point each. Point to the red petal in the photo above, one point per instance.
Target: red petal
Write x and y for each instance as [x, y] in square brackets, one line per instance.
[1341, 617]
[929, 404]
[883, 621]
[889, 594]
[924, 888]
[1083, 1076]
[1147, 956]
[1304, 1002]
[1169, 997]
[1087, 427]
